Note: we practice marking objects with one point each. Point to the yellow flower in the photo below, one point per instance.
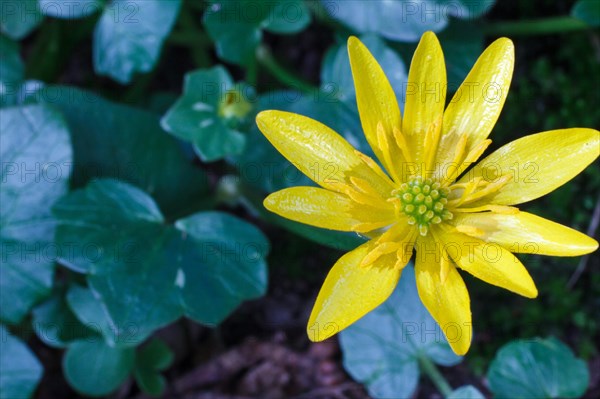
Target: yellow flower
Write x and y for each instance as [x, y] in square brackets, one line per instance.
[427, 201]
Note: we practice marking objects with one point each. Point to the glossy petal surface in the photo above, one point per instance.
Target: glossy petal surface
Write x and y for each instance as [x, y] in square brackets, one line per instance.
[489, 262]
[527, 233]
[375, 98]
[475, 107]
[350, 291]
[319, 152]
[446, 299]
[322, 208]
[425, 92]
[539, 163]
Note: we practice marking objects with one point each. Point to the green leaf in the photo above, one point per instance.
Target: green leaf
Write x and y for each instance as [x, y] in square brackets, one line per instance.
[403, 20]
[150, 360]
[587, 11]
[382, 349]
[117, 235]
[69, 9]
[147, 273]
[197, 115]
[537, 368]
[232, 254]
[21, 371]
[18, 18]
[150, 381]
[155, 355]
[236, 25]
[90, 312]
[130, 35]
[466, 392]
[113, 140]
[36, 164]
[56, 325]
[286, 17]
[11, 71]
[95, 369]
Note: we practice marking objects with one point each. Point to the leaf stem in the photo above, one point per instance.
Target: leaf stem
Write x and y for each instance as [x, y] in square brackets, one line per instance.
[266, 59]
[429, 368]
[535, 26]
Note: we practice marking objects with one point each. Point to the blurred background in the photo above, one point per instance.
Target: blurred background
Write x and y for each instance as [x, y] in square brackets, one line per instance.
[138, 260]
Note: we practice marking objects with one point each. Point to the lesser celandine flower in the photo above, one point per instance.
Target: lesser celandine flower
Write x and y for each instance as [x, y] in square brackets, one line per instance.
[423, 197]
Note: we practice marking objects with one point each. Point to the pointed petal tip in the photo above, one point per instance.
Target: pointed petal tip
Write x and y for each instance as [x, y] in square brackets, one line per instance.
[533, 293]
[319, 331]
[269, 202]
[460, 348]
[593, 247]
[262, 120]
[504, 46]
[430, 37]
[353, 41]
[504, 42]
[265, 116]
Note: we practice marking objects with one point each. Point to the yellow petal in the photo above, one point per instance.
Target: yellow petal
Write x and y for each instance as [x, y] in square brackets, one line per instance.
[489, 262]
[319, 152]
[425, 93]
[538, 163]
[375, 99]
[323, 208]
[446, 298]
[526, 233]
[474, 109]
[350, 291]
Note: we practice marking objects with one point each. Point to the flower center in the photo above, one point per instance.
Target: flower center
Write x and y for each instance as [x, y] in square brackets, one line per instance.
[424, 202]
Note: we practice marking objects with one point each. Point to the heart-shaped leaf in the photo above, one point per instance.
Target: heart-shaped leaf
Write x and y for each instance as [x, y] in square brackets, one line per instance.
[18, 18]
[147, 273]
[96, 369]
[382, 349]
[402, 20]
[129, 36]
[55, 324]
[236, 25]
[150, 360]
[200, 115]
[537, 368]
[114, 140]
[21, 371]
[90, 312]
[36, 165]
